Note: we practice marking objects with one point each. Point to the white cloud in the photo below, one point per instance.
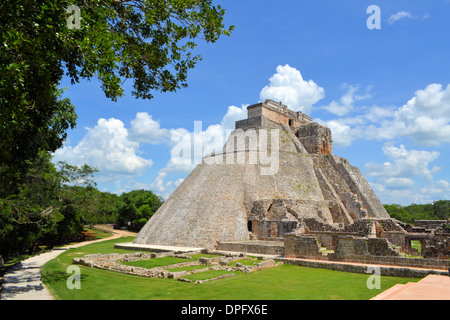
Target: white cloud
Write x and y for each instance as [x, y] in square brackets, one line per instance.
[233, 114]
[343, 135]
[145, 129]
[443, 183]
[345, 104]
[408, 176]
[404, 166]
[108, 147]
[287, 85]
[161, 187]
[424, 119]
[399, 15]
[393, 18]
[189, 147]
[399, 183]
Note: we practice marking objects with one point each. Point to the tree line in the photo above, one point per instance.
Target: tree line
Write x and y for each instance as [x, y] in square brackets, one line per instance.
[438, 210]
[52, 203]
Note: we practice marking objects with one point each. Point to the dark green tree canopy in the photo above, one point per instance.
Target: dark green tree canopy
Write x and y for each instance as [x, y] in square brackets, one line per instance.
[438, 210]
[150, 42]
[138, 207]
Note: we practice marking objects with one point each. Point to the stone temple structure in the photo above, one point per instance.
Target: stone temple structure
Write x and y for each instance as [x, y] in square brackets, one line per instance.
[275, 173]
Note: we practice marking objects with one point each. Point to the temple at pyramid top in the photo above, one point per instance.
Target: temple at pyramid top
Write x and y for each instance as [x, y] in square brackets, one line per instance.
[315, 138]
[259, 113]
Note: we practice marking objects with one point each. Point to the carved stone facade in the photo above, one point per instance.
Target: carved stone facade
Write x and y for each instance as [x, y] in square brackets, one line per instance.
[315, 138]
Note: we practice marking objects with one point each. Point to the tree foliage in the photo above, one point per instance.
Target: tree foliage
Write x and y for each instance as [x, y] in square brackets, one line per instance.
[49, 209]
[438, 210]
[55, 202]
[138, 206]
[150, 42]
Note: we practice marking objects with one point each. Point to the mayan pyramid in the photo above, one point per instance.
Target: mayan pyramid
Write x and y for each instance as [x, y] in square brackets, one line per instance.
[276, 169]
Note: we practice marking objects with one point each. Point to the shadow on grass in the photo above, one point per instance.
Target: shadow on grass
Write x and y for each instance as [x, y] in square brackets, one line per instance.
[60, 278]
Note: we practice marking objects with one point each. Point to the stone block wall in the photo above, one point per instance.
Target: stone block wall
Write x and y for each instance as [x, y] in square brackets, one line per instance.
[351, 246]
[259, 247]
[329, 239]
[429, 224]
[395, 237]
[355, 268]
[275, 112]
[315, 138]
[296, 246]
[381, 247]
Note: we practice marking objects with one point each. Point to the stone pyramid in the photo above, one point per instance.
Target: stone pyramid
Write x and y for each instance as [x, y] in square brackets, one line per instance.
[276, 169]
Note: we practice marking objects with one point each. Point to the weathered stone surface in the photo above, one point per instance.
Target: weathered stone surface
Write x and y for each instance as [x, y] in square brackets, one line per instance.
[253, 247]
[381, 247]
[113, 262]
[351, 246]
[315, 138]
[296, 246]
[224, 199]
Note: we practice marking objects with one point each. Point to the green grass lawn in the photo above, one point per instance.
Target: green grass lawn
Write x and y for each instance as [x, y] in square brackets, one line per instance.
[208, 274]
[165, 261]
[415, 244]
[99, 234]
[156, 262]
[187, 268]
[284, 282]
[245, 262]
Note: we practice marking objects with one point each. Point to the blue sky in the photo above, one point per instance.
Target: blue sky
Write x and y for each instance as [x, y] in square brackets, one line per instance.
[383, 92]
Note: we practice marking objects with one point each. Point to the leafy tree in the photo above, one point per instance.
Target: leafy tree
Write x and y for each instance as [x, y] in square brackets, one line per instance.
[71, 175]
[148, 41]
[441, 209]
[438, 210]
[99, 207]
[44, 210]
[398, 212]
[127, 215]
[420, 211]
[31, 214]
[138, 207]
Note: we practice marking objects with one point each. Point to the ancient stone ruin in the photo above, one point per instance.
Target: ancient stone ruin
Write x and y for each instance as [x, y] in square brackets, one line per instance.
[276, 188]
[224, 262]
[223, 201]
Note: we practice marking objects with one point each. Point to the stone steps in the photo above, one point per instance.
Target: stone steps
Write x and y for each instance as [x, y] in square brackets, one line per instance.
[393, 291]
[432, 287]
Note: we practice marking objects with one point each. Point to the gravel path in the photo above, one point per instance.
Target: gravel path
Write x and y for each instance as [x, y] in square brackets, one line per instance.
[24, 282]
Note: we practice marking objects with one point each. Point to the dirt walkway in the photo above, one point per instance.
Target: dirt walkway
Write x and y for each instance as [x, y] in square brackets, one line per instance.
[24, 282]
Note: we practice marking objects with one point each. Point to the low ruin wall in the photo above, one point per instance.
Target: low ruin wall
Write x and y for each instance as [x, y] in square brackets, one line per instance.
[395, 261]
[429, 224]
[376, 251]
[262, 247]
[328, 239]
[300, 246]
[390, 271]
